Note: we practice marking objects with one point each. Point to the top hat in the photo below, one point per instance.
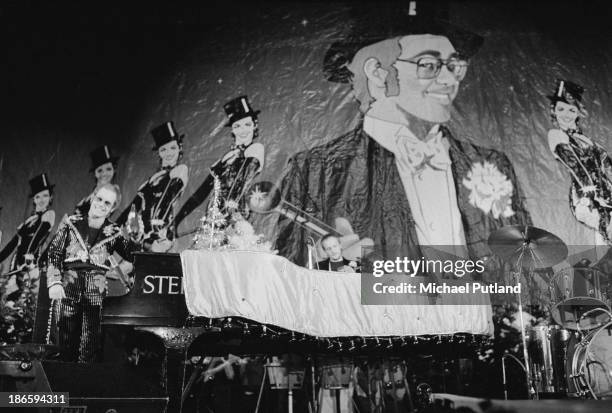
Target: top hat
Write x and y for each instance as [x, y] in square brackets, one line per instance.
[386, 20]
[40, 183]
[239, 108]
[568, 92]
[165, 133]
[100, 156]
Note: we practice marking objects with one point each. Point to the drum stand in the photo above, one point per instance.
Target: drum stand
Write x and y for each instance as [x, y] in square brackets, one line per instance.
[336, 396]
[335, 392]
[537, 248]
[531, 393]
[503, 361]
[291, 378]
[294, 382]
[261, 389]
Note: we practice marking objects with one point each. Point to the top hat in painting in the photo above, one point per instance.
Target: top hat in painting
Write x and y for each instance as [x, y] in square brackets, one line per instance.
[374, 22]
[165, 133]
[239, 108]
[102, 155]
[568, 92]
[40, 183]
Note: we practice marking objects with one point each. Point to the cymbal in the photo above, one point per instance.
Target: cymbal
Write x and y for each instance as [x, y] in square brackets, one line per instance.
[533, 247]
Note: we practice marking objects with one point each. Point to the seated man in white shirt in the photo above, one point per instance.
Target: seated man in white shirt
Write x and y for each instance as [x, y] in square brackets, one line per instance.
[335, 261]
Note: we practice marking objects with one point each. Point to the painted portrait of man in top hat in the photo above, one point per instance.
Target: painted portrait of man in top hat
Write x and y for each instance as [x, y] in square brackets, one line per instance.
[401, 177]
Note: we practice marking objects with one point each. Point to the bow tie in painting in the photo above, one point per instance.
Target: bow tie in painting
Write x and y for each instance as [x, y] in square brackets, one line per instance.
[418, 154]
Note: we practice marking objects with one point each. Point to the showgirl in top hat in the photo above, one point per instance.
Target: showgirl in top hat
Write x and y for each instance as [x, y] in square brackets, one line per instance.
[588, 163]
[31, 234]
[104, 167]
[238, 167]
[20, 285]
[245, 159]
[155, 199]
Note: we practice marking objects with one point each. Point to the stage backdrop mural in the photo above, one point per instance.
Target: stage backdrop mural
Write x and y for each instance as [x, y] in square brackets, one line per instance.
[130, 73]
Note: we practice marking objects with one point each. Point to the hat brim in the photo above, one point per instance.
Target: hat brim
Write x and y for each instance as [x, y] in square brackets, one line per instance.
[50, 188]
[341, 53]
[555, 98]
[244, 115]
[179, 139]
[112, 160]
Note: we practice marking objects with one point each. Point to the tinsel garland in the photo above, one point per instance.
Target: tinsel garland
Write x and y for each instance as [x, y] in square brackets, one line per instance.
[220, 231]
[211, 234]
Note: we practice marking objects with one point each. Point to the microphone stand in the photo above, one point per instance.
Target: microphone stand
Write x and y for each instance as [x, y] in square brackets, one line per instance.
[315, 407]
[312, 254]
[531, 393]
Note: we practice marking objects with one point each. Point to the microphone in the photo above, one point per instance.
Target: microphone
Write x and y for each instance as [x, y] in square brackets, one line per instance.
[312, 253]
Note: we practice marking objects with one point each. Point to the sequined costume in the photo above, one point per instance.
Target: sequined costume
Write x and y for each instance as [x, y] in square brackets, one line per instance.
[77, 259]
[19, 291]
[590, 167]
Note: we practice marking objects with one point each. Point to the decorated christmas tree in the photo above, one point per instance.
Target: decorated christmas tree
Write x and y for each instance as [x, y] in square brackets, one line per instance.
[211, 234]
[219, 230]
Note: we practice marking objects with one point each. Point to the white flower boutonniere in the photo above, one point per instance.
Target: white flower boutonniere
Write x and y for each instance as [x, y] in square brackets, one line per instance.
[491, 190]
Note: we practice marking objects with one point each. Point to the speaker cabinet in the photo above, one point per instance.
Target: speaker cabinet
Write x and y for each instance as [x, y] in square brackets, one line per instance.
[107, 387]
[113, 405]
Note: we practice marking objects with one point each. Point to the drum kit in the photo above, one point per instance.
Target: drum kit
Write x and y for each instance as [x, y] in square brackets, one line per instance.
[573, 355]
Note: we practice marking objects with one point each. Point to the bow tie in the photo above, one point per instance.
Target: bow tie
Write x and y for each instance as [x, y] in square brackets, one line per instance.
[431, 151]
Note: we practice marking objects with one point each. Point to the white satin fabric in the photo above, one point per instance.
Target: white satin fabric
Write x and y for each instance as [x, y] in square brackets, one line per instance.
[269, 289]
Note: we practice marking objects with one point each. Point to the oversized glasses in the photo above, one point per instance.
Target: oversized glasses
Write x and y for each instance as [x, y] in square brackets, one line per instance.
[104, 203]
[428, 67]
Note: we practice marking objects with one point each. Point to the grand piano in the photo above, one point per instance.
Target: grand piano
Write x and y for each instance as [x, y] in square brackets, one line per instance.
[156, 299]
[157, 304]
